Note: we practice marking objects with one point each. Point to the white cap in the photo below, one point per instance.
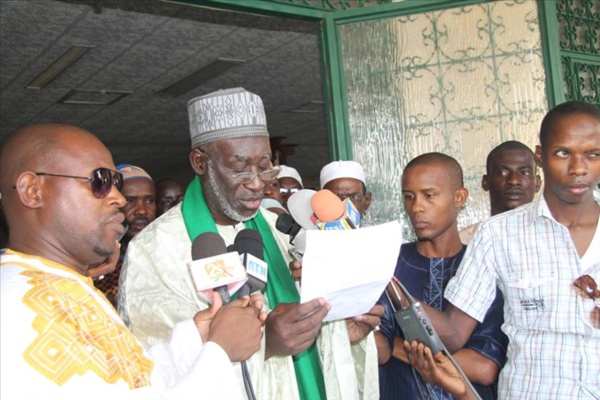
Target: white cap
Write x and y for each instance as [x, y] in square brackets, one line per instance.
[289, 172]
[226, 114]
[342, 169]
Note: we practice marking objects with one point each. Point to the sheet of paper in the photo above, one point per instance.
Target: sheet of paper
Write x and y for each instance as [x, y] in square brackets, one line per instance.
[350, 268]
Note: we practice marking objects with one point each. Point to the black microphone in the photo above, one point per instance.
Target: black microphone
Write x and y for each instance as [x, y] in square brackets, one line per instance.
[249, 244]
[286, 224]
[206, 245]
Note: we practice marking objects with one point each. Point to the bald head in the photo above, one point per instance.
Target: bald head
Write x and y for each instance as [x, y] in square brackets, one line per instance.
[453, 168]
[33, 148]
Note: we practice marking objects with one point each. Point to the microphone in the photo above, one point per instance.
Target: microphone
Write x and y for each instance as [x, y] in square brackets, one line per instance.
[214, 269]
[300, 209]
[332, 213]
[299, 246]
[249, 243]
[286, 224]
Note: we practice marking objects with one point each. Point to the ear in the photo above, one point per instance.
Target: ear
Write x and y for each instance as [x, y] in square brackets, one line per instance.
[538, 156]
[29, 190]
[485, 184]
[538, 183]
[367, 201]
[198, 162]
[460, 197]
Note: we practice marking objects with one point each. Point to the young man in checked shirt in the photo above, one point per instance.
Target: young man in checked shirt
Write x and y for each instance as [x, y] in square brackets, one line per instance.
[545, 258]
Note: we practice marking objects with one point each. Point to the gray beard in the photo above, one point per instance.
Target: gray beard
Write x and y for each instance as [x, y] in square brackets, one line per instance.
[216, 194]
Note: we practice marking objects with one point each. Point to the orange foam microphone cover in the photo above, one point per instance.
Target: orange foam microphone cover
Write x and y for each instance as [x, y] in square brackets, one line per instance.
[327, 206]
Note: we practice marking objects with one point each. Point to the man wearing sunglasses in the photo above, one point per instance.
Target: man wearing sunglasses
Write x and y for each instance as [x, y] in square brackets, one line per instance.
[61, 338]
[544, 258]
[232, 160]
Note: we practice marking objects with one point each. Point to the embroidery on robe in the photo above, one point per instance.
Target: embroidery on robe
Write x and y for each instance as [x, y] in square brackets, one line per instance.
[76, 336]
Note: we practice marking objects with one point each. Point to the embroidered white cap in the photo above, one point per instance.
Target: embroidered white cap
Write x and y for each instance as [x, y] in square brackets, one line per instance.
[226, 114]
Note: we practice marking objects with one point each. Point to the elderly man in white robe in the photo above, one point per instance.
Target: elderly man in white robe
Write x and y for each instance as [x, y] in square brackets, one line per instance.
[301, 357]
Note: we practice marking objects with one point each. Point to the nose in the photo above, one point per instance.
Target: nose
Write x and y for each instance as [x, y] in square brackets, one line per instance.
[513, 179]
[116, 197]
[577, 165]
[414, 205]
[419, 205]
[255, 185]
[139, 208]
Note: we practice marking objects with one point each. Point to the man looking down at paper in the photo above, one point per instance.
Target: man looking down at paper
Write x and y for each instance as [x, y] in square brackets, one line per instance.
[61, 337]
[433, 191]
[231, 158]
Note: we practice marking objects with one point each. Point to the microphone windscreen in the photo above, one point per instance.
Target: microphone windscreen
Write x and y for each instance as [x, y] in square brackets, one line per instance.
[249, 241]
[327, 206]
[300, 209]
[208, 244]
[285, 223]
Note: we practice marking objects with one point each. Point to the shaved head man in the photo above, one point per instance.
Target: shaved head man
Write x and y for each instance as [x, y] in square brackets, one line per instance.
[61, 193]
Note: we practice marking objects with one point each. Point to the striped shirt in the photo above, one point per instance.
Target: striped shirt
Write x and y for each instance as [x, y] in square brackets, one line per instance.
[554, 333]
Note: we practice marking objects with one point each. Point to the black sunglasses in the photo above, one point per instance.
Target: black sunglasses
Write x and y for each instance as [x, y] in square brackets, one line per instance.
[102, 179]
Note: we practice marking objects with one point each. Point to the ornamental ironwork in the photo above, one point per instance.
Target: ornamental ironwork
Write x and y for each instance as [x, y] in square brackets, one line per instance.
[579, 36]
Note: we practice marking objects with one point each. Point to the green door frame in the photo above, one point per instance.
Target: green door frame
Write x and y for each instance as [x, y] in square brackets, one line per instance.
[330, 18]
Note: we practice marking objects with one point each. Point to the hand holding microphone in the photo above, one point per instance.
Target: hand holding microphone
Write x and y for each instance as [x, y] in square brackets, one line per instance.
[237, 327]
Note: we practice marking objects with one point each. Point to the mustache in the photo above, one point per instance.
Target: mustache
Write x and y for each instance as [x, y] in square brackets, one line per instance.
[140, 220]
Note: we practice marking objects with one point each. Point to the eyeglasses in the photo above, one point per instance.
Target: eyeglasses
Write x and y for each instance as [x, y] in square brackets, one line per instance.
[247, 176]
[588, 285]
[355, 197]
[102, 179]
[286, 191]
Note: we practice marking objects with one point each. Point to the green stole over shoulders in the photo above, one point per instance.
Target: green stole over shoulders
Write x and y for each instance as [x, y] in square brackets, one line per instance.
[280, 286]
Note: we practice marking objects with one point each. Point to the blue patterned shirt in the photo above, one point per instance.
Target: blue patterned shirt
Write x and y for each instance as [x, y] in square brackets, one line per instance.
[425, 278]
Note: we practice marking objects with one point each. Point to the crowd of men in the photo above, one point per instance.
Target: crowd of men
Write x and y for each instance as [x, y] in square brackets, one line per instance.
[97, 299]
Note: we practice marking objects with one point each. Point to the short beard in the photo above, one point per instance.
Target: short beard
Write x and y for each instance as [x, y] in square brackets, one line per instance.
[102, 252]
[216, 194]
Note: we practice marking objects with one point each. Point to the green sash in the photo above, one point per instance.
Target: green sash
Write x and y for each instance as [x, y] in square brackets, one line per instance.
[280, 286]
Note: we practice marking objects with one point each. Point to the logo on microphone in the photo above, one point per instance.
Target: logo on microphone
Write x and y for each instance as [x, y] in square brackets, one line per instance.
[218, 270]
[256, 267]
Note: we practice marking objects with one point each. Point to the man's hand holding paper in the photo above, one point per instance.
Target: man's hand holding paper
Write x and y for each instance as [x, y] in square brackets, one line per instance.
[349, 268]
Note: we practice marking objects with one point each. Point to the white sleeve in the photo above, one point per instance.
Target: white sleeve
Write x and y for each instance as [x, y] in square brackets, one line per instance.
[185, 368]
